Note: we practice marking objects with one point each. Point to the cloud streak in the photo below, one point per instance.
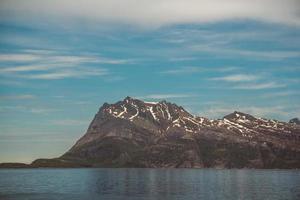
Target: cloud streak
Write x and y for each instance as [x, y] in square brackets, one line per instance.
[183, 70]
[18, 57]
[248, 82]
[26, 109]
[259, 86]
[225, 51]
[17, 97]
[194, 69]
[236, 78]
[42, 64]
[61, 74]
[282, 94]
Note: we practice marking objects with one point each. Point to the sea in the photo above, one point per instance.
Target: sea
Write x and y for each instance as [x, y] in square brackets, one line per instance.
[149, 184]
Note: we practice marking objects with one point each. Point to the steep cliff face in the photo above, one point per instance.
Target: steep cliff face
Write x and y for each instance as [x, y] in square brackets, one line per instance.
[133, 133]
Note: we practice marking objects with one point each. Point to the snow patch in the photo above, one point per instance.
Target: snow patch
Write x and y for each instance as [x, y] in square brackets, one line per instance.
[178, 125]
[201, 120]
[124, 111]
[150, 102]
[152, 113]
[136, 114]
[243, 120]
[191, 120]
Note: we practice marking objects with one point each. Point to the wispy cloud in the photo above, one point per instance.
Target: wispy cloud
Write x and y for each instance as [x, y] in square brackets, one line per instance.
[25, 68]
[195, 69]
[182, 59]
[226, 51]
[281, 94]
[236, 78]
[183, 70]
[42, 64]
[27, 109]
[259, 86]
[227, 44]
[54, 57]
[18, 57]
[17, 97]
[40, 110]
[248, 82]
[76, 73]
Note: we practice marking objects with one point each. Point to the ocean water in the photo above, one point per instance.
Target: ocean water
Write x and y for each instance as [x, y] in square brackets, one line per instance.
[146, 184]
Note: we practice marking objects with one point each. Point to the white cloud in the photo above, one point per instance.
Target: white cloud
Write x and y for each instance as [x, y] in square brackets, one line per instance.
[157, 12]
[259, 86]
[236, 78]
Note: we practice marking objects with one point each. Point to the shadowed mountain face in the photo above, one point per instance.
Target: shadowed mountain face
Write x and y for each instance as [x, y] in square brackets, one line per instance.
[295, 121]
[133, 133]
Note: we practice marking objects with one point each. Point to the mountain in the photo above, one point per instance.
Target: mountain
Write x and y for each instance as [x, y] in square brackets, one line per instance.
[295, 121]
[134, 133]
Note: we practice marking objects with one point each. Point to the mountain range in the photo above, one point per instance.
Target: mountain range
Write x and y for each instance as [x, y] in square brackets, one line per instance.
[135, 133]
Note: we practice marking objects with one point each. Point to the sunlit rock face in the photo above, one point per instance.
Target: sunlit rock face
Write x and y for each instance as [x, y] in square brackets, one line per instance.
[134, 133]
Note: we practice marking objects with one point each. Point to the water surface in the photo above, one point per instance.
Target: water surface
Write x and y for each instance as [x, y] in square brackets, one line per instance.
[146, 184]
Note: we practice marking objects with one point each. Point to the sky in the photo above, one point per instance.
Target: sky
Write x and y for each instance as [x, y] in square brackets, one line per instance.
[61, 60]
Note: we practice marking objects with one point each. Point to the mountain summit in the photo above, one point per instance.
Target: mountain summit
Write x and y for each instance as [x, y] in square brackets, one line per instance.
[134, 133]
[295, 121]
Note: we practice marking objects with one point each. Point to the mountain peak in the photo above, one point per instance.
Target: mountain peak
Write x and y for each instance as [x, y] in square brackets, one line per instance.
[128, 98]
[239, 115]
[295, 121]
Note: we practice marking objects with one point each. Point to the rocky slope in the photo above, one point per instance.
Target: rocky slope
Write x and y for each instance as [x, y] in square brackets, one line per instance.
[133, 133]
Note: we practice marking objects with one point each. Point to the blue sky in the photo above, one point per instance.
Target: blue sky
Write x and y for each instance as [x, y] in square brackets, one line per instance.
[59, 62]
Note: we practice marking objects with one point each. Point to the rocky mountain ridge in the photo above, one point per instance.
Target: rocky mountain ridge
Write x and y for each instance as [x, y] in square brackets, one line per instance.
[134, 133]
